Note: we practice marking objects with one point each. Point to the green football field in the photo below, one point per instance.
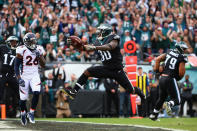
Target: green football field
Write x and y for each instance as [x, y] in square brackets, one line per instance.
[172, 123]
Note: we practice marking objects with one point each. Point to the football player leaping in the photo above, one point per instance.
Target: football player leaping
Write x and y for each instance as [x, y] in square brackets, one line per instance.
[29, 56]
[107, 46]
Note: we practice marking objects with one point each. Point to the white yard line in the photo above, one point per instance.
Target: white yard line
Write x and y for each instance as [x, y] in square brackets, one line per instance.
[149, 127]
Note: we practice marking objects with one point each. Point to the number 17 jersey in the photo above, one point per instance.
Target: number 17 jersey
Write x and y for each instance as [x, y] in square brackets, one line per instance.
[30, 62]
[172, 61]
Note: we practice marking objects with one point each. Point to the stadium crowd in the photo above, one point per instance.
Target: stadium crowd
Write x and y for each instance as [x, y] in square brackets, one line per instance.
[154, 25]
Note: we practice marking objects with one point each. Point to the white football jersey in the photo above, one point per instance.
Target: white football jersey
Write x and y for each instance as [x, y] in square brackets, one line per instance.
[30, 62]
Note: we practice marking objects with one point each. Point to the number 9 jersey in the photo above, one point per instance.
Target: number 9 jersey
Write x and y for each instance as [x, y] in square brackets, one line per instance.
[30, 61]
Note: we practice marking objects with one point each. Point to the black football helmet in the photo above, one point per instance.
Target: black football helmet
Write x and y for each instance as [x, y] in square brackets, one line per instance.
[181, 47]
[30, 41]
[12, 42]
[104, 30]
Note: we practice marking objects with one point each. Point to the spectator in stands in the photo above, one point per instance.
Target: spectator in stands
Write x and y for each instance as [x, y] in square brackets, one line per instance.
[143, 84]
[186, 94]
[111, 88]
[91, 84]
[50, 53]
[73, 80]
[60, 56]
[59, 82]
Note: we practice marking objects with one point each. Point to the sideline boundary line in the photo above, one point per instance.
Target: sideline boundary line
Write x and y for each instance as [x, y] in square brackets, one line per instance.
[130, 125]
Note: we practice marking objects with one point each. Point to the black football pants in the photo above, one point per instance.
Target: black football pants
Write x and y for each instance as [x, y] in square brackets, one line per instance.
[168, 87]
[9, 88]
[118, 74]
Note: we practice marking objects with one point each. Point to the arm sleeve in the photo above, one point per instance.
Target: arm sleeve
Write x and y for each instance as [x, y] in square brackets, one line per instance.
[17, 64]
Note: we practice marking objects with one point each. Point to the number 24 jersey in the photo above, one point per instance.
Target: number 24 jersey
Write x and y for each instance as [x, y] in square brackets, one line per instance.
[30, 62]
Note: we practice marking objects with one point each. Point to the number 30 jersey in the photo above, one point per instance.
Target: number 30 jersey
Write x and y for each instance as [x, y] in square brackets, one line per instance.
[111, 58]
[7, 57]
[172, 61]
[30, 62]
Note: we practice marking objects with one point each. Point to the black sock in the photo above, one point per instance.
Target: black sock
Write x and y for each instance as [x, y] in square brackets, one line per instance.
[22, 104]
[81, 81]
[35, 100]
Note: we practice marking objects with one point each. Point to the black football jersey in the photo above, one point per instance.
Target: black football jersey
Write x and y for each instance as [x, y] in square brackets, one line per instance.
[172, 61]
[111, 58]
[7, 57]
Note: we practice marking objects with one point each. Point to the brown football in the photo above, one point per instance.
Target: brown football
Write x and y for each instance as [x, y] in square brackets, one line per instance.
[77, 43]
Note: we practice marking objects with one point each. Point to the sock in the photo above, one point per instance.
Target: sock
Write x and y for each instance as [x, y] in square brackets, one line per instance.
[81, 81]
[23, 112]
[32, 110]
[171, 103]
[22, 104]
[155, 111]
[35, 100]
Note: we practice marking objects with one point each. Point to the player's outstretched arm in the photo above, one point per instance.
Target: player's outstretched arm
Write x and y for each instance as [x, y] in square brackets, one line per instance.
[112, 45]
[157, 62]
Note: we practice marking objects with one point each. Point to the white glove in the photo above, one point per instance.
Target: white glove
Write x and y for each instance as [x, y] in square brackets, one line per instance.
[89, 47]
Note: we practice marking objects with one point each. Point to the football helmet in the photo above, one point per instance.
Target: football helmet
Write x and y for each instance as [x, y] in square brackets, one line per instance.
[30, 41]
[103, 31]
[181, 47]
[12, 42]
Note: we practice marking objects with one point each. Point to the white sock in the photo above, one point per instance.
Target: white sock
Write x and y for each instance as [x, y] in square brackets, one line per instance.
[155, 111]
[32, 110]
[172, 103]
[23, 112]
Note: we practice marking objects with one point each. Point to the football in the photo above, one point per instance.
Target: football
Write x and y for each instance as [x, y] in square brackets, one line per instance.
[77, 43]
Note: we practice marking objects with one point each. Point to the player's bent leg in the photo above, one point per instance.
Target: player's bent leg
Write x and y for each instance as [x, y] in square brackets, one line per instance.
[80, 82]
[123, 80]
[96, 71]
[174, 95]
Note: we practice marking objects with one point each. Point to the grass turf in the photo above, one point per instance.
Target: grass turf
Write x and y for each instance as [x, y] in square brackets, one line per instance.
[173, 123]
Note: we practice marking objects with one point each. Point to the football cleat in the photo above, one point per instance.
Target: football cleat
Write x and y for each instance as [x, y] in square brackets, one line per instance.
[154, 116]
[70, 92]
[168, 108]
[23, 119]
[30, 116]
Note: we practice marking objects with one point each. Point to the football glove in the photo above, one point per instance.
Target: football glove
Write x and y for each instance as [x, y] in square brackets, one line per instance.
[89, 47]
[21, 82]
